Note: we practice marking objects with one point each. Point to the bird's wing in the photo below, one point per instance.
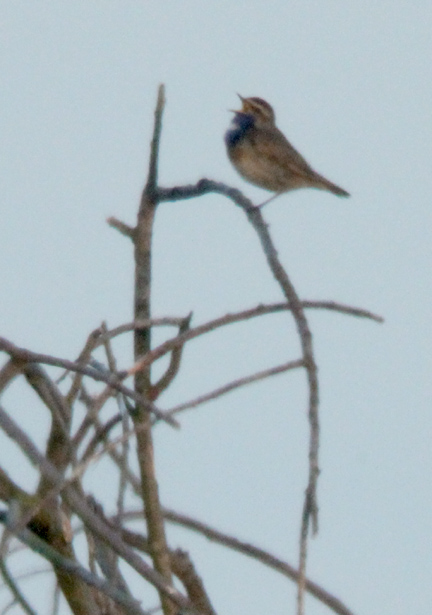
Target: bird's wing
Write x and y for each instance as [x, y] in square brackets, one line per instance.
[273, 143]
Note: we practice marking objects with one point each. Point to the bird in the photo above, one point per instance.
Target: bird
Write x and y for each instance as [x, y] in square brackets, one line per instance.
[262, 154]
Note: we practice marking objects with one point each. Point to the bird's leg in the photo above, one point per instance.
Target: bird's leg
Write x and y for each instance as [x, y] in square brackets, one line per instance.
[268, 200]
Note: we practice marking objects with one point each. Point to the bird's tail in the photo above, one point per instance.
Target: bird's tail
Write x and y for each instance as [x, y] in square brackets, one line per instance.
[325, 184]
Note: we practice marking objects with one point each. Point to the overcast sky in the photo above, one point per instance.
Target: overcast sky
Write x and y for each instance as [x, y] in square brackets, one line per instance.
[351, 86]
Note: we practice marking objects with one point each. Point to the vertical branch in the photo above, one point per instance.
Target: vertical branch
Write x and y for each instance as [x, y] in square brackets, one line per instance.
[142, 344]
[310, 507]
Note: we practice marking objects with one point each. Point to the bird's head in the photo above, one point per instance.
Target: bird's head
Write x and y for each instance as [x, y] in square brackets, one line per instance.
[259, 109]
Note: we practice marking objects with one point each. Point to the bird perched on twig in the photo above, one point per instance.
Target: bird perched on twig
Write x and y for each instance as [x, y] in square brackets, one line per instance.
[263, 156]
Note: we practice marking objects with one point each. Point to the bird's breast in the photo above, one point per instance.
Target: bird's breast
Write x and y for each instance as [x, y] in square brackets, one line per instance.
[261, 166]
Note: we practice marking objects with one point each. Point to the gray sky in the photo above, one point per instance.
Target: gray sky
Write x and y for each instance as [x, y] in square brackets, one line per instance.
[351, 86]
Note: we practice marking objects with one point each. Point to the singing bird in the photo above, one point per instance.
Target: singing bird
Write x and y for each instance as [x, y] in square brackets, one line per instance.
[263, 156]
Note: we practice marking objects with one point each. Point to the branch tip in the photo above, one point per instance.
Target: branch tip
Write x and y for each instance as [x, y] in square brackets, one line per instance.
[120, 226]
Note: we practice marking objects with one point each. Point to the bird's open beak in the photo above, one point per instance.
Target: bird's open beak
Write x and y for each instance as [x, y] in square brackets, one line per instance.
[236, 110]
[242, 100]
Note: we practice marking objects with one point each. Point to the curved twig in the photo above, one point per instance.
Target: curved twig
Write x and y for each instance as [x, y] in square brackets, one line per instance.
[254, 215]
[212, 325]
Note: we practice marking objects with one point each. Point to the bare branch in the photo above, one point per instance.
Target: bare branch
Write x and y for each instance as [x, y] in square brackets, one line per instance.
[183, 569]
[245, 548]
[260, 555]
[151, 188]
[41, 520]
[333, 306]
[58, 450]
[27, 356]
[254, 215]
[228, 319]
[49, 394]
[83, 359]
[163, 383]
[15, 590]
[167, 321]
[203, 186]
[233, 543]
[105, 556]
[142, 345]
[112, 364]
[89, 518]
[124, 229]
[8, 372]
[72, 567]
[227, 388]
[100, 435]
[11, 491]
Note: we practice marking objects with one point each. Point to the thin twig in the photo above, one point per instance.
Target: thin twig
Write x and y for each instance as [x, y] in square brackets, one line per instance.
[114, 455]
[112, 364]
[84, 357]
[212, 325]
[125, 462]
[167, 321]
[90, 457]
[31, 573]
[100, 435]
[174, 365]
[124, 229]
[227, 388]
[334, 306]
[50, 395]
[15, 590]
[58, 448]
[105, 556]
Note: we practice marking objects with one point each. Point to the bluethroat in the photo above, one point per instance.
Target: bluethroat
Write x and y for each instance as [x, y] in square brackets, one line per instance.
[263, 156]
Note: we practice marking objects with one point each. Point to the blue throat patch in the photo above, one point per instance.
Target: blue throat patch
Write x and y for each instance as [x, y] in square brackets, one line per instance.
[241, 123]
